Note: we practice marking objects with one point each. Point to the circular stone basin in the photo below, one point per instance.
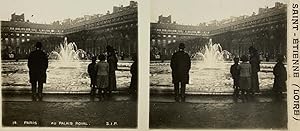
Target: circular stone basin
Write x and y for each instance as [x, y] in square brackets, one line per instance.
[60, 79]
[205, 78]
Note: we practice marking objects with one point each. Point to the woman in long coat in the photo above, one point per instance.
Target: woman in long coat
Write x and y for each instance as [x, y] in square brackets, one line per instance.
[280, 74]
[245, 77]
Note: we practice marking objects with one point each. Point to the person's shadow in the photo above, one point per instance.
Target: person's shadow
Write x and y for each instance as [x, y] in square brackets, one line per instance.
[36, 98]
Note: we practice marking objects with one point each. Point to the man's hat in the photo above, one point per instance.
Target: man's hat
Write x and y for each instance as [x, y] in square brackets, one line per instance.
[252, 49]
[109, 48]
[94, 58]
[244, 58]
[181, 46]
[38, 45]
[236, 59]
[280, 58]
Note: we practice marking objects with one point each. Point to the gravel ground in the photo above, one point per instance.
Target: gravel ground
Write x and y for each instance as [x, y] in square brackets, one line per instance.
[198, 112]
[91, 114]
[219, 112]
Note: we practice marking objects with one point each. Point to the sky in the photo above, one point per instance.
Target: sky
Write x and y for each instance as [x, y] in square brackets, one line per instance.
[197, 11]
[47, 11]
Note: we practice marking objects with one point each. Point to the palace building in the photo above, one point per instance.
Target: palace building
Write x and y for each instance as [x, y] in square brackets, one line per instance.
[18, 31]
[265, 30]
[165, 33]
[91, 33]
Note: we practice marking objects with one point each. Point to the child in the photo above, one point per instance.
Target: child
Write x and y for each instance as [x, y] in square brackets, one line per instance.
[280, 74]
[245, 76]
[235, 73]
[92, 74]
[102, 68]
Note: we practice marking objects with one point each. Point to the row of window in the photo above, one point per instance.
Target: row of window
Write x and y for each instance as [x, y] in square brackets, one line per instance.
[5, 35]
[33, 30]
[264, 20]
[120, 27]
[162, 41]
[98, 23]
[181, 31]
[15, 40]
[103, 22]
[164, 36]
[251, 23]
[272, 27]
[107, 29]
[16, 34]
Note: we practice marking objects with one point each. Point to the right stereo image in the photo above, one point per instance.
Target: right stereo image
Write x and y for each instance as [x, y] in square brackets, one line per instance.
[218, 64]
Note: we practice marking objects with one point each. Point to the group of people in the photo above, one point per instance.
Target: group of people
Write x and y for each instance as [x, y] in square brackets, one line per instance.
[103, 77]
[102, 74]
[245, 74]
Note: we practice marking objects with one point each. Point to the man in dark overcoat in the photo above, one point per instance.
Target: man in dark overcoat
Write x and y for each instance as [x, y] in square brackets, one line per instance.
[255, 68]
[134, 76]
[113, 66]
[93, 75]
[180, 65]
[37, 64]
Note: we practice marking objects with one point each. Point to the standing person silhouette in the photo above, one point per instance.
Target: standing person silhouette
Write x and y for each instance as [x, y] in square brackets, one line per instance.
[255, 67]
[37, 64]
[235, 73]
[180, 65]
[102, 68]
[280, 74]
[245, 71]
[113, 66]
[134, 76]
[93, 75]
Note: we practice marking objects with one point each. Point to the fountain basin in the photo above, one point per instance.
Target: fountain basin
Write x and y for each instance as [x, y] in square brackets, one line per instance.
[15, 77]
[205, 80]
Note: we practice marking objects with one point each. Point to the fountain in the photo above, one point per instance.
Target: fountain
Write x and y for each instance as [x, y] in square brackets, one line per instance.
[67, 72]
[212, 55]
[67, 55]
[209, 74]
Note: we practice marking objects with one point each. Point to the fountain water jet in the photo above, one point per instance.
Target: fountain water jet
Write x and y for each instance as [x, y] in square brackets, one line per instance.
[68, 55]
[212, 55]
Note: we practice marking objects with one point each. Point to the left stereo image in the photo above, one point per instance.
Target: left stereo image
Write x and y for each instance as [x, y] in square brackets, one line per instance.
[69, 63]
